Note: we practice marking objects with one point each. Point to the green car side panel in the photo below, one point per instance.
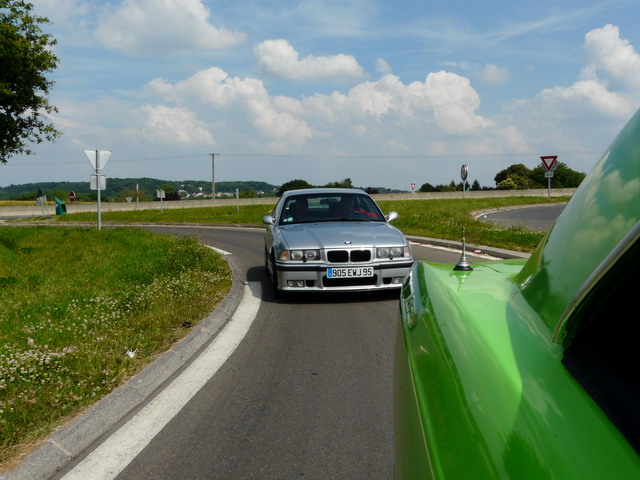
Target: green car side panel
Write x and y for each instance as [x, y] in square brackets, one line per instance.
[601, 212]
[490, 396]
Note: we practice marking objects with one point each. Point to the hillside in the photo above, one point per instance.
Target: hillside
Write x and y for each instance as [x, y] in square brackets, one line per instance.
[120, 188]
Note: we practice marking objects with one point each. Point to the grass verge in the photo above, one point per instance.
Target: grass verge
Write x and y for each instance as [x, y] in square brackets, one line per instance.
[429, 218]
[445, 219]
[82, 310]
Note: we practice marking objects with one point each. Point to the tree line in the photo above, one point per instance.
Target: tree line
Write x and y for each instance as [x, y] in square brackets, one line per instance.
[297, 184]
[518, 177]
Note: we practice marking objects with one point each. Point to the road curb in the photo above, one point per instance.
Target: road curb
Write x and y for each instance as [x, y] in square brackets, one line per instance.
[65, 444]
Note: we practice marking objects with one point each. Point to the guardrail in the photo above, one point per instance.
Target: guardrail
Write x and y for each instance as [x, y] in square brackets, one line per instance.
[37, 211]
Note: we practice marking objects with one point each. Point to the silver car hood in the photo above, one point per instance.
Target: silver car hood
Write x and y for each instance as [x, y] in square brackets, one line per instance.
[338, 235]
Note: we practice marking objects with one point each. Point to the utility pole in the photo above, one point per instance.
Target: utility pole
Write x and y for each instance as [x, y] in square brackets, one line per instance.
[213, 175]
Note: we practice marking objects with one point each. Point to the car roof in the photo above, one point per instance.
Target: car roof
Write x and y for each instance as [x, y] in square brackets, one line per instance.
[320, 191]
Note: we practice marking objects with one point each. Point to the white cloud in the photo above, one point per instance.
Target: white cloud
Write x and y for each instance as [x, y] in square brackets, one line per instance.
[236, 100]
[612, 59]
[62, 11]
[454, 102]
[577, 117]
[155, 27]
[279, 58]
[589, 92]
[444, 100]
[610, 81]
[492, 74]
[167, 126]
[382, 66]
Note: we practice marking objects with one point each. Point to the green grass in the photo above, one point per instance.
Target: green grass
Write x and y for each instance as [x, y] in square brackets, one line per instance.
[445, 219]
[82, 310]
[225, 215]
[429, 218]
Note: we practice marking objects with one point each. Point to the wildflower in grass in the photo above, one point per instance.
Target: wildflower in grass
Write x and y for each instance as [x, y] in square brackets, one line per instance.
[61, 351]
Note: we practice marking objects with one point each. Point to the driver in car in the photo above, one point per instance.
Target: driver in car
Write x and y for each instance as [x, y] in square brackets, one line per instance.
[348, 206]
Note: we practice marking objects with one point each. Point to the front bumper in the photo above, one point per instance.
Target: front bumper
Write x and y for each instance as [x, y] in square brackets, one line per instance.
[314, 277]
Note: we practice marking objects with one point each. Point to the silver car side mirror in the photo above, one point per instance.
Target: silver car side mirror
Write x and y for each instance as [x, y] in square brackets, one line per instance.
[392, 216]
[268, 220]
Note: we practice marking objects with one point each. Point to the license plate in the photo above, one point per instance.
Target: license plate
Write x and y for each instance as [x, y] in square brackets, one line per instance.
[353, 272]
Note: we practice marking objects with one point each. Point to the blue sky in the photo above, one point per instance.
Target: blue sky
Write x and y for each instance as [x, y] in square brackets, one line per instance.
[387, 93]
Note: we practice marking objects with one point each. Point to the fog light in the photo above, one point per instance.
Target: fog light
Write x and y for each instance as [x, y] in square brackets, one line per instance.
[295, 283]
[397, 280]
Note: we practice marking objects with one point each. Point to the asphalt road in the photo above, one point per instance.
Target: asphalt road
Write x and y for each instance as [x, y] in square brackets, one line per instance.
[307, 393]
[540, 217]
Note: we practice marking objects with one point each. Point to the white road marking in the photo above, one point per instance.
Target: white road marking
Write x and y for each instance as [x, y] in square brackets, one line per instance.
[110, 458]
[220, 251]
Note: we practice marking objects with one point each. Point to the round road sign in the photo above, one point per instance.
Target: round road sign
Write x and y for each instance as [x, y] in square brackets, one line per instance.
[464, 171]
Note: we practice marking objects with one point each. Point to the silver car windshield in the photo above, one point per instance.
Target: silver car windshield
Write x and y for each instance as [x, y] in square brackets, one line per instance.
[344, 207]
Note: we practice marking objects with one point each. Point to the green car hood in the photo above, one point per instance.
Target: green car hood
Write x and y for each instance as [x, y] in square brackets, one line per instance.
[600, 215]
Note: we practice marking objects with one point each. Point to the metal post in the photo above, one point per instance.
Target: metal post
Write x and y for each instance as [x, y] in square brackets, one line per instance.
[98, 185]
[213, 176]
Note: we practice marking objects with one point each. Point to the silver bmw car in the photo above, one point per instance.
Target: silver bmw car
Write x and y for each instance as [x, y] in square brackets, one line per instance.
[329, 239]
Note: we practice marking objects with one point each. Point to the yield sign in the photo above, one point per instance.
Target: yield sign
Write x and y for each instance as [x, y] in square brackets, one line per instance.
[549, 162]
[98, 158]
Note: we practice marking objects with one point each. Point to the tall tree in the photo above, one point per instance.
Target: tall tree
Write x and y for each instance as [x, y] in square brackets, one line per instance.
[25, 59]
[293, 185]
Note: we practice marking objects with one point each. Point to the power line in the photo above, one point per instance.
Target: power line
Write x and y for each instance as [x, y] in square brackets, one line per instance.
[305, 155]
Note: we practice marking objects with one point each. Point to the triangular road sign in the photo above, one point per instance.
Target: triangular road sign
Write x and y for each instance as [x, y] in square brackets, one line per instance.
[549, 162]
[104, 156]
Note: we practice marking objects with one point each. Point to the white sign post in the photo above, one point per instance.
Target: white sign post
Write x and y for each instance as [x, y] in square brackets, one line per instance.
[42, 202]
[550, 164]
[98, 160]
[160, 194]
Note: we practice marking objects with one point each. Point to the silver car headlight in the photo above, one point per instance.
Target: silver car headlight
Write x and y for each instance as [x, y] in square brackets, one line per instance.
[393, 252]
[299, 255]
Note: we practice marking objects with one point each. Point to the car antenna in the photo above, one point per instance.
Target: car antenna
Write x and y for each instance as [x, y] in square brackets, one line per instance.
[463, 264]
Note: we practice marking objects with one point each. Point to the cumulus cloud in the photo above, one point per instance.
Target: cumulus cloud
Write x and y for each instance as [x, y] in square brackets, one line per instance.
[214, 94]
[165, 126]
[591, 92]
[439, 115]
[444, 100]
[279, 58]
[387, 111]
[154, 27]
[454, 102]
[610, 82]
[612, 59]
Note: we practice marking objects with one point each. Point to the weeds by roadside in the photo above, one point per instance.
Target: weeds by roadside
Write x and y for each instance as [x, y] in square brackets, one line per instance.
[82, 310]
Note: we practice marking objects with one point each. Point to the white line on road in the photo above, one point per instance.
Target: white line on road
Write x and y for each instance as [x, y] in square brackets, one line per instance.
[110, 458]
[220, 251]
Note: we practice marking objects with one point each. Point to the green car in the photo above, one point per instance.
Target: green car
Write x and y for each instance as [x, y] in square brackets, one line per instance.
[529, 369]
